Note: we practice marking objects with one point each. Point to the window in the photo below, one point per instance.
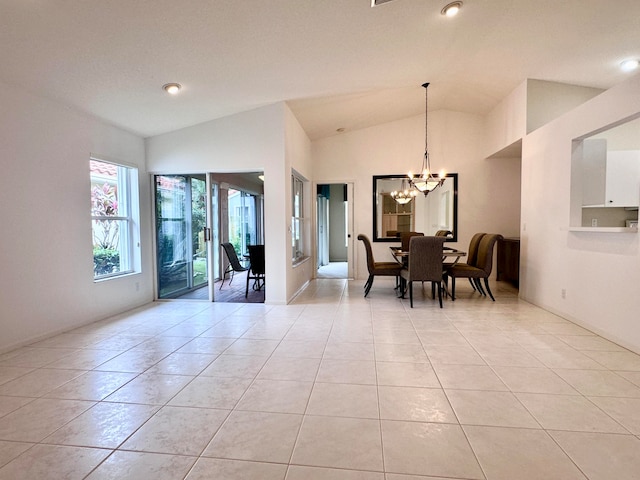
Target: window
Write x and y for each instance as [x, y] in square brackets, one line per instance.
[114, 207]
[297, 218]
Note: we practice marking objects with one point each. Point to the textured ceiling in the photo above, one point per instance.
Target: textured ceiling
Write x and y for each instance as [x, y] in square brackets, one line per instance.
[339, 63]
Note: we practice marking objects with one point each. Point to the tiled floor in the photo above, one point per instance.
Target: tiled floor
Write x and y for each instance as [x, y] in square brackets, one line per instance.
[334, 386]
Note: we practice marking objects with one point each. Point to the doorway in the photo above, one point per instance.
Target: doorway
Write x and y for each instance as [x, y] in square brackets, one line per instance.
[334, 228]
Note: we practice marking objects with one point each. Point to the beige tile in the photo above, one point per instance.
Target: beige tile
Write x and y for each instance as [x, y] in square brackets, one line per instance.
[523, 454]
[406, 374]
[104, 425]
[398, 336]
[599, 383]
[428, 449]
[219, 469]
[183, 364]
[602, 456]
[36, 357]
[284, 368]
[9, 404]
[454, 355]
[297, 472]
[212, 392]
[150, 389]
[590, 342]
[444, 338]
[565, 357]
[393, 476]
[347, 371]
[250, 346]
[470, 377]
[394, 352]
[284, 396]
[11, 373]
[207, 345]
[349, 351]
[93, 385]
[10, 450]
[177, 430]
[137, 465]
[38, 382]
[120, 343]
[621, 360]
[509, 357]
[415, 404]
[132, 361]
[266, 437]
[533, 380]
[40, 418]
[239, 366]
[85, 359]
[625, 410]
[343, 400]
[53, 461]
[498, 409]
[293, 349]
[349, 443]
[569, 412]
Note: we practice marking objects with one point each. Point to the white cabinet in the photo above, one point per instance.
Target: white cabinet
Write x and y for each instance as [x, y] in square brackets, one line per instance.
[610, 178]
[623, 179]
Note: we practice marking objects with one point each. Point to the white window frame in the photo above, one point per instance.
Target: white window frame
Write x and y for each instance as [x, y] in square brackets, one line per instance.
[297, 219]
[128, 217]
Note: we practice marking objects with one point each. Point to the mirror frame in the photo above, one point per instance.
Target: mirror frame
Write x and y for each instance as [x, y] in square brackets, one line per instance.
[454, 176]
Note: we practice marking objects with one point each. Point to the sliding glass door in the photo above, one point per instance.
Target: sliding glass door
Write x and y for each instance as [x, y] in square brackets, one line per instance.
[181, 218]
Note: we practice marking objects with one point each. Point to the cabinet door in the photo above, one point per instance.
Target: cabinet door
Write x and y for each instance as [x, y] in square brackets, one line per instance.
[594, 160]
[623, 178]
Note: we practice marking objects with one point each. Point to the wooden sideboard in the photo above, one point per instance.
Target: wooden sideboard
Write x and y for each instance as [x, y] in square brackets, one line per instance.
[508, 263]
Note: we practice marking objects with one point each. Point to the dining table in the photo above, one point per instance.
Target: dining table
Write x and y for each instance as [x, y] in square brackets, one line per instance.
[450, 256]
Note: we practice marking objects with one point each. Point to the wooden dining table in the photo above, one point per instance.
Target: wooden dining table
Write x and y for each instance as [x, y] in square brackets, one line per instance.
[402, 257]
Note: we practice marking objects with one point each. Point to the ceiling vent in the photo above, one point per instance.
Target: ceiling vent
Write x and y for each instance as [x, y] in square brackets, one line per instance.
[375, 3]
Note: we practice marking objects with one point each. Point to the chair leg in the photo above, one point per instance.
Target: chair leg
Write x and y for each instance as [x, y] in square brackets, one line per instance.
[479, 286]
[411, 293]
[368, 285]
[472, 285]
[453, 289]
[433, 290]
[486, 284]
[246, 291]
[439, 292]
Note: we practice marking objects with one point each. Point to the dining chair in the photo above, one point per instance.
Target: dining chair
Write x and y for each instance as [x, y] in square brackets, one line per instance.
[256, 268]
[234, 264]
[480, 270]
[472, 256]
[424, 264]
[443, 233]
[405, 237]
[384, 269]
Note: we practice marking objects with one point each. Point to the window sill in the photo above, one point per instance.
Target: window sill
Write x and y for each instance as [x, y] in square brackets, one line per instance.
[604, 229]
[300, 261]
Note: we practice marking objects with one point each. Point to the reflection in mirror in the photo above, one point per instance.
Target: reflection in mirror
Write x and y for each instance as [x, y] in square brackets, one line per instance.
[437, 211]
[605, 182]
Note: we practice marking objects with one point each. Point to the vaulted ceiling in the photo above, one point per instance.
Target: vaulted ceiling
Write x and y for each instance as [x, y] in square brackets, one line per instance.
[339, 63]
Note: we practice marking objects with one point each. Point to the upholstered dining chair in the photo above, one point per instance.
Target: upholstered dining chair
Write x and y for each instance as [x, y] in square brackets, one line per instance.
[256, 268]
[424, 264]
[234, 264]
[385, 269]
[405, 237]
[472, 256]
[443, 233]
[481, 269]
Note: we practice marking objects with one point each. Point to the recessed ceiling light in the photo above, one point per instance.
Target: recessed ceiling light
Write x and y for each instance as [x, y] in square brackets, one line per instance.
[452, 9]
[629, 65]
[172, 88]
[340, 130]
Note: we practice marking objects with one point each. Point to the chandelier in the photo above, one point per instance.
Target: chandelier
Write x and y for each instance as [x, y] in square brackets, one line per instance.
[405, 194]
[426, 182]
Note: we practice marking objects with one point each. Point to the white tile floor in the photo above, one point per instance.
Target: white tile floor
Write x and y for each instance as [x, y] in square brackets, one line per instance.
[334, 386]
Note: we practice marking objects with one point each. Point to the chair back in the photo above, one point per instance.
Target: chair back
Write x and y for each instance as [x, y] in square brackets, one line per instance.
[405, 237]
[485, 252]
[232, 256]
[256, 257]
[369, 250]
[472, 253]
[443, 233]
[425, 258]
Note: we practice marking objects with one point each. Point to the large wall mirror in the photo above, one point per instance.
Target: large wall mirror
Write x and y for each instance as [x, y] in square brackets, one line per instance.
[436, 211]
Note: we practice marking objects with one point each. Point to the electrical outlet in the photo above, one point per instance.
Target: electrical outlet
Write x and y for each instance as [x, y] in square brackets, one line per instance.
[594, 222]
[563, 293]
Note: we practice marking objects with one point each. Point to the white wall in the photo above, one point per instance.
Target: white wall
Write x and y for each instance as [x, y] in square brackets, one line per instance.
[600, 272]
[46, 258]
[489, 190]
